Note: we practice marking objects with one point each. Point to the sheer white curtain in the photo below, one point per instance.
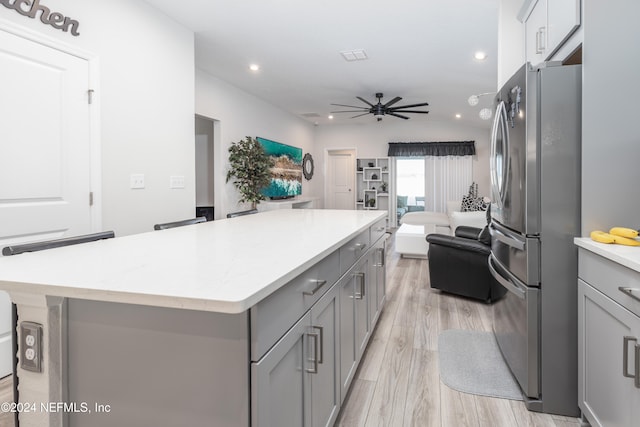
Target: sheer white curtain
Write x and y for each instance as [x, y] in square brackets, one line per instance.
[446, 178]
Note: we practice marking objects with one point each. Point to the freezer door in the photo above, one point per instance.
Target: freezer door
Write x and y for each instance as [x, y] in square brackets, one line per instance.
[516, 325]
[517, 253]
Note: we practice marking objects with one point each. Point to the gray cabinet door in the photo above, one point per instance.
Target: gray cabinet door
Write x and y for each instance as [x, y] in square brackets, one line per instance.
[362, 287]
[346, 288]
[377, 286]
[280, 386]
[606, 396]
[325, 382]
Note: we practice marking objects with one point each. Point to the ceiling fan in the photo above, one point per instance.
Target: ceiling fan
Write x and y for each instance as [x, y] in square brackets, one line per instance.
[379, 110]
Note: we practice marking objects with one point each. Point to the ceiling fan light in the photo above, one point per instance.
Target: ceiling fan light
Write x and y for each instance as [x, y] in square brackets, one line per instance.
[473, 100]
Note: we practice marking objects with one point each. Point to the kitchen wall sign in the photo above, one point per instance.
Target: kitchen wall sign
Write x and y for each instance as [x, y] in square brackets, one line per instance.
[31, 8]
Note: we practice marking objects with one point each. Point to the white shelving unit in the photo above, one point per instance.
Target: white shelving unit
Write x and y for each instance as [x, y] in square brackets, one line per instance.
[373, 182]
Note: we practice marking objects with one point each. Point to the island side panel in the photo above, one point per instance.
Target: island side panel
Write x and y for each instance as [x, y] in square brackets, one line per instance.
[157, 366]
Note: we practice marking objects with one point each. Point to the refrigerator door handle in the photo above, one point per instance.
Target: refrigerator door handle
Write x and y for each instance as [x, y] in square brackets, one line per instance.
[499, 177]
[511, 282]
[506, 237]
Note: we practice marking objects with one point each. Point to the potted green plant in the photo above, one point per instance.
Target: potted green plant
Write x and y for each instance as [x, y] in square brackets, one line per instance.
[250, 169]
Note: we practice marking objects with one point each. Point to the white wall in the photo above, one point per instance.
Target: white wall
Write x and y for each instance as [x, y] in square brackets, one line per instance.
[371, 140]
[145, 96]
[610, 136]
[511, 53]
[240, 114]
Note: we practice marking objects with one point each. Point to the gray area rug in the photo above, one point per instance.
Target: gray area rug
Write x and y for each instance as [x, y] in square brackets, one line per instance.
[470, 362]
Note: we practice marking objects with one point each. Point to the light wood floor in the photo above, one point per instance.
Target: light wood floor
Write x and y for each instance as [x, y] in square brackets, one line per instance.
[398, 382]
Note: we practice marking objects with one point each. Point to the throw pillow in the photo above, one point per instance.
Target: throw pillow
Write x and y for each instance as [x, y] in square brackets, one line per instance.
[402, 201]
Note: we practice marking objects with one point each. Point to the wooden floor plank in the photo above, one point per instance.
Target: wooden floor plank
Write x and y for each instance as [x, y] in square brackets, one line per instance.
[426, 328]
[356, 405]
[422, 408]
[494, 412]
[387, 406]
[457, 409]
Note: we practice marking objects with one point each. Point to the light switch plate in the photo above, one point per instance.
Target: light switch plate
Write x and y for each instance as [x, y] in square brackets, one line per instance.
[176, 181]
[31, 346]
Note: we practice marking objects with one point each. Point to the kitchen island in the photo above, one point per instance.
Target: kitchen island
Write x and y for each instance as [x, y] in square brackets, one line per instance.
[255, 320]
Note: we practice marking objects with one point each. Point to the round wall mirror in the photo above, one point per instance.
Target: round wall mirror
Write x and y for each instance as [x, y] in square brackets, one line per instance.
[307, 166]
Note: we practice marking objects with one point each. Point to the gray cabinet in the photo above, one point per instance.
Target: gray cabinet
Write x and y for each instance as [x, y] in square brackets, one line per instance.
[377, 278]
[325, 381]
[354, 320]
[609, 343]
[303, 377]
[280, 386]
[296, 382]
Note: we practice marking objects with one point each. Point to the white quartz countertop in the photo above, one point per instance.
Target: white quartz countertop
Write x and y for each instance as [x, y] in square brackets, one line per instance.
[629, 256]
[224, 266]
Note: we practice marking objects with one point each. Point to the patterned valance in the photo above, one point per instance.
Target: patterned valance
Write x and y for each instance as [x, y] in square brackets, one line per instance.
[420, 149]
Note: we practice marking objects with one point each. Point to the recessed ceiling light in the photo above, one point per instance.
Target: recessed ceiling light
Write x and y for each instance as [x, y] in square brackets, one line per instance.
[480, 56]
[458, 116]
[254, 67]
[330, 117]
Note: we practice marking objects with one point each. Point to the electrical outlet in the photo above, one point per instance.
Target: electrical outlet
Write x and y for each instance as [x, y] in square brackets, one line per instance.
[31, 346]
[176, 181]
[137, 180]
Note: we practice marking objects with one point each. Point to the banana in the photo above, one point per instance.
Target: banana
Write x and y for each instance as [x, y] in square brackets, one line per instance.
[625, 241]
[624, 232]
[602, 237]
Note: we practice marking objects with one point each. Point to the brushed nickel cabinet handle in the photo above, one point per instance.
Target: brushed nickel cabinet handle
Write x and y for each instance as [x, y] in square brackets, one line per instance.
[321, 340]
[629, 291]
[319, 284]
[636, 380]
[625, 357]
[360, 276]
[313, 370]
[382, 260]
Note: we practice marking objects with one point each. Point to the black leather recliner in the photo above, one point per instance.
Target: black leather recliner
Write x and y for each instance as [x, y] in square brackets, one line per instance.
[459, 264]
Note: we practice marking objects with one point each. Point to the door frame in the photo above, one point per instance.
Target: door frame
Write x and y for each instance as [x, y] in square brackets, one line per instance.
[95, 184]
[327, 155]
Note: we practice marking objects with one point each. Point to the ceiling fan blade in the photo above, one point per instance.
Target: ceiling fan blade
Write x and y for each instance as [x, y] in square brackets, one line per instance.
[351, 111]
[365, 101]
[410, 106]
[393, 101]
[397, 115]
[360, 115]
[351, 106]
[409, 111]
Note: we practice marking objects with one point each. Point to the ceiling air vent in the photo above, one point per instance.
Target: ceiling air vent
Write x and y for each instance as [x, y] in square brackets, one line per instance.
[354, 55]
[311, 115]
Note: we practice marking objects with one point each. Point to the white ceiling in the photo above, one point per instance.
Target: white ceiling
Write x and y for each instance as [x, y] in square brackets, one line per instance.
[421, 50]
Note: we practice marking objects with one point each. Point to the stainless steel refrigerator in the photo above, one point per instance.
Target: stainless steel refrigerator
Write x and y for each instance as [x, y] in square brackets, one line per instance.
[535, 179]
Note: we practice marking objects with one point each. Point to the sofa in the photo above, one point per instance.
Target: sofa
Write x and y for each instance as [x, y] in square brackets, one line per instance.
[445, 222]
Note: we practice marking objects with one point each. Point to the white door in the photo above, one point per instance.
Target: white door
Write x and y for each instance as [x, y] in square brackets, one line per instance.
[44, 151]
[341, 180]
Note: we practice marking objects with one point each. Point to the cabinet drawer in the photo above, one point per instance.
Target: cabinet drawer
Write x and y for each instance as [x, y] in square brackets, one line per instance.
[608, 276]
[378, 229]
[273, 316]
[354, 249]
